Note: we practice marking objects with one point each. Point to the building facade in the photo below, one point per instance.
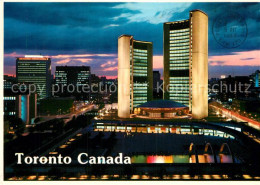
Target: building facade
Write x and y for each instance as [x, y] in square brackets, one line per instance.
[135, 74]
[20, 104]
[256, 78]
[75, 76]
[186, 62]
[35, 70]
[9, 81]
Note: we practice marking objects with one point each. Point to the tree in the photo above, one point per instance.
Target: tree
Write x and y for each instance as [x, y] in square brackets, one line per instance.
[18, 125]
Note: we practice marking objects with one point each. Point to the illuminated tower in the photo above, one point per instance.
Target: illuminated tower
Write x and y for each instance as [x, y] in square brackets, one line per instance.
[35, 69]
[135, 74]
[186, 62]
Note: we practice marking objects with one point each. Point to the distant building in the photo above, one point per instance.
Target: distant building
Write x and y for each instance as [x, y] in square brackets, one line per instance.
[9, 81]
[73, 80]
[95, 83]
[256, 78]
[234, 88]
[36, 70]
[185, 45]
[157, 84]
[135, 74]
[22, 105]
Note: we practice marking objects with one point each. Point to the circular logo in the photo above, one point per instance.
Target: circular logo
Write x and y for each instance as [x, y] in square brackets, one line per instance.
[230, 30]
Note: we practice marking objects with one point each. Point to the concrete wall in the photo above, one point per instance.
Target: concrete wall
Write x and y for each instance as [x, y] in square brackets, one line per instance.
[124, 76]
[199, 72]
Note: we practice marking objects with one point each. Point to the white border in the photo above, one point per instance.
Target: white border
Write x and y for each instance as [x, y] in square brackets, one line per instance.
[92, 181]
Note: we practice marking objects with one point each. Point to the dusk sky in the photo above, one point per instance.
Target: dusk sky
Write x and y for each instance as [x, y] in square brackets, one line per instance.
[86, 33]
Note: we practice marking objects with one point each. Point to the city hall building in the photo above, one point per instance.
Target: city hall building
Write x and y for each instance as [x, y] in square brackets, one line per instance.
[185, 55]
[135, 74]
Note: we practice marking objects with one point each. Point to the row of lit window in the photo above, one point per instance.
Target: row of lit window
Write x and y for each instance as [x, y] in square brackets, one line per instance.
[176, 82]
[31, 62]
[139, 74]
[180, 96]
[140, 70]
[139, 57]
[180, 31]
[179, 54]
[140, 54]
[180, 51]
[30, 70]
[139, 91]
[181, 82]
[140, 50]
[140, 98]
[184, 64]
[180, 41]
[26, 72]
[179, 44]
[180, 37]
[139, 101]
[140, 67]
[11, 113]
[179, 78]
[60, 74]
[180, 58]
[140, 64]
[31, 67]
[37, 77]
[10, 98]
[140, 85]
[180, 47]
[180, 34]
[34, 81]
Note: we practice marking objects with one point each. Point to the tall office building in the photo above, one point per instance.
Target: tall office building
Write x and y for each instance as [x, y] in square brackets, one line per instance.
[186, 62]
[135, 74]
[35, 69]
[75, 76]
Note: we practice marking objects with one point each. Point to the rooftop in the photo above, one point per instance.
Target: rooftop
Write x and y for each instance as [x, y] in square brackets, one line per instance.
[162, 104]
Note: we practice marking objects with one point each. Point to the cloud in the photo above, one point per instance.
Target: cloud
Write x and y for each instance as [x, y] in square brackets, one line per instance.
[86, 33]
[108, 63]
[153, 13]
[110, 69]
[13, 54]
[67, 14]
[247, 58]
[111, 25]
[65, 61]
[216, 63]
[81, 55]
[237, 59]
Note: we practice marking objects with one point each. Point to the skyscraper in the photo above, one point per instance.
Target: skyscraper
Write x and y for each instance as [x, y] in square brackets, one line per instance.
[186, 62]
[35, 69]
[75, 76]
[135, 74]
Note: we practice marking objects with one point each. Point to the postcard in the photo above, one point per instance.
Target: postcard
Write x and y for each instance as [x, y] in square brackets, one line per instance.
[131, 91]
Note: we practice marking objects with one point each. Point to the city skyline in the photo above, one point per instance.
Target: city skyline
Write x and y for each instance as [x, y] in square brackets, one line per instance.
[100, 51]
